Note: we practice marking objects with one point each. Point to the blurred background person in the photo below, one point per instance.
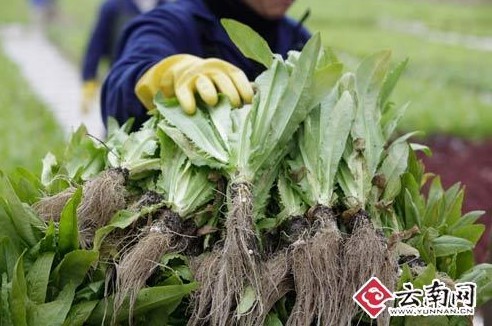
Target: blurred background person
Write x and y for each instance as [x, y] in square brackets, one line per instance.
[112, 18]
[42, 12]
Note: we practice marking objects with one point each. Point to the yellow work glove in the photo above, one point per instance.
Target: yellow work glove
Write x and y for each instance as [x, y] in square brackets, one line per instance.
[182, 75]
[89, 91]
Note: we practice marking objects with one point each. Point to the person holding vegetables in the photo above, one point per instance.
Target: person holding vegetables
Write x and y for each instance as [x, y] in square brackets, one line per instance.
[182, 50]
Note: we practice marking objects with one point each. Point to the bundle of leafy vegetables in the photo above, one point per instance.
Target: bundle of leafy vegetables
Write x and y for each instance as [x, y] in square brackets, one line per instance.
[272, 214]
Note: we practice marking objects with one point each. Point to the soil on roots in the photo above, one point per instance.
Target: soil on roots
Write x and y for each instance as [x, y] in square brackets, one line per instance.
[364, 254]
[204, 268]
[102, 197]
[239, 265]
[50, 208]
[276, 282]
[139, 262]
[315, 267]
[286, 234]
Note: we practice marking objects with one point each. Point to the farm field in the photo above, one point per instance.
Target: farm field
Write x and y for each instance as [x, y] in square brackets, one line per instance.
[448, 84]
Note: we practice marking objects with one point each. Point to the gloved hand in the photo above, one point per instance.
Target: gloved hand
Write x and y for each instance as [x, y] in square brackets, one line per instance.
[89, 91]
[182, 75]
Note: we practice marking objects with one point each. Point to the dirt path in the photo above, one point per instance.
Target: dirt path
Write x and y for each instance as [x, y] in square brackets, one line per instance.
[53, 78]
[419, 29]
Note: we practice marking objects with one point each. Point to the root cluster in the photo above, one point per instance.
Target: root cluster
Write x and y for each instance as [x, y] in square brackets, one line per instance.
[309, 257]
[102, 197]
[140, 261]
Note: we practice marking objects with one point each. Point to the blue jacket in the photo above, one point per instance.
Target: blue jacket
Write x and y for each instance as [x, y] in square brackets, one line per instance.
[112, 18]
[42, 3]
[184, 26]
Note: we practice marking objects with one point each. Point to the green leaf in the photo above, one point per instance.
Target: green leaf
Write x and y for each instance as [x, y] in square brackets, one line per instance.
[121, 220]
[140, 146]
[83, 157]
[178, 264]
[290, 200]
[371, 74]
[464, 262]
[5, 315]
[426, 321]
[267, 223]
[322, 142]
[222, 116]
[426, 277]
[18, 296]
[186, 186]
[197, 128]
[8, 256]
[411, 212]
[147, 300]
[27, 186]
[79, 313]
[297, 99]
[472, 233]
[390, 82]
[425, 244]
[325, 78]
[369, 78]
[467, 219]
[90, 291]
[55, 312]
[250, 43]
[272, 320]
[351, 187]
[413, 199]
[68, 231]
[264, 182]
[296, 102]
[271, 85]
[38, 277]
[481, 275]
[416, 168]
[8, 231]
[446, 245]
[405, 276]
[248, 298]
[192, 151]
[423, 148]
[393, 166]
[435, 205]
[453, 202]
[48, 243]
[391, 118]
[156, 317]
[74, 267]
[135, 151]
[18, 218]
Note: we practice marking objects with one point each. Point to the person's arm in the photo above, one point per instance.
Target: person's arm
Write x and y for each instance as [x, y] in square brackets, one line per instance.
[146, 41]
[162, 52]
